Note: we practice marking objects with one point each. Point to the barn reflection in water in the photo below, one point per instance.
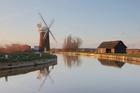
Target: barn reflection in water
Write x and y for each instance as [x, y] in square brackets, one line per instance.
[111, 63]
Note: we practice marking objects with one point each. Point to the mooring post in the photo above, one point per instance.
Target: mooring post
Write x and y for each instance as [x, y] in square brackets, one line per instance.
[40, 54]
[6, 56]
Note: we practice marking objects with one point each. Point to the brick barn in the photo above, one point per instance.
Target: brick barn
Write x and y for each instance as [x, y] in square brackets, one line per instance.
[112, 47]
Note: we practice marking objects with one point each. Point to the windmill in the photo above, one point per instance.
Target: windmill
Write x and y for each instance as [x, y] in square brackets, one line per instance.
[44, 30]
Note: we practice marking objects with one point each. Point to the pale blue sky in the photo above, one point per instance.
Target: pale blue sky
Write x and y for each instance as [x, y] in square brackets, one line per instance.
[92, 20]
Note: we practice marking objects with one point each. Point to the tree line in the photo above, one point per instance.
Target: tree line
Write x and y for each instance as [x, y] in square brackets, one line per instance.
[71, 43]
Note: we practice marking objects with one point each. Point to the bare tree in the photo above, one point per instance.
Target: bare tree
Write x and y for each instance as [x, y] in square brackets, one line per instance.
[71, 43]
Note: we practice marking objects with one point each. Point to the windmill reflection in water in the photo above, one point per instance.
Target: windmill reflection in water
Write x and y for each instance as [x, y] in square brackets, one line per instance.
[43, 70]
[43, 74]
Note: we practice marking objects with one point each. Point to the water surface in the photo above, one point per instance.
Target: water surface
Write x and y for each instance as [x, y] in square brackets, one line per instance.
[73, 74]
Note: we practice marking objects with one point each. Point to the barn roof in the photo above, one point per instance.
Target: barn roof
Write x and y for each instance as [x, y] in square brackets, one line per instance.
[110, 44]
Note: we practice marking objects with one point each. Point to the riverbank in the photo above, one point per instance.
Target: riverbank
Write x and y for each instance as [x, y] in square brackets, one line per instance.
[19, 60]
[21, 64]
[131, 58]
[30, 56]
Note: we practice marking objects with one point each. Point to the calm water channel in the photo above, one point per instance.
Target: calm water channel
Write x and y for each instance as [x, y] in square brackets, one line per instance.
[73, 74]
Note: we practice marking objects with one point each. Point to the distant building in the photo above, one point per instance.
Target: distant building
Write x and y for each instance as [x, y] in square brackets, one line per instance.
[133, 51]
[36, 48]
[112, 47]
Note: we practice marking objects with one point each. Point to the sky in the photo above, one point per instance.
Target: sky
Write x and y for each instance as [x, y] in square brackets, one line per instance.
[93, 21]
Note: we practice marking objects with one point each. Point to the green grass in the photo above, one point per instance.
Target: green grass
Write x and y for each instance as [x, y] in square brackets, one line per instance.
[117, 54]
[25, 57]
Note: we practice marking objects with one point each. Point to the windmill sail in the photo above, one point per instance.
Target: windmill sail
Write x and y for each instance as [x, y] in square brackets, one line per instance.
[53, 36]
[48, 28]
[51, 23]
[43, 20]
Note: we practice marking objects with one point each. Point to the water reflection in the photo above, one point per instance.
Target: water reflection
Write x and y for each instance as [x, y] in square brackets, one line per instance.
[71, 60]
[44, 73]
[96, 78]
[111, 63]
[44, 70]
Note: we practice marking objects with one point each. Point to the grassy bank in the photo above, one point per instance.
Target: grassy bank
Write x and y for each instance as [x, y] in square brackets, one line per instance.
[127, 55]
[92, 53]
[25, 57]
